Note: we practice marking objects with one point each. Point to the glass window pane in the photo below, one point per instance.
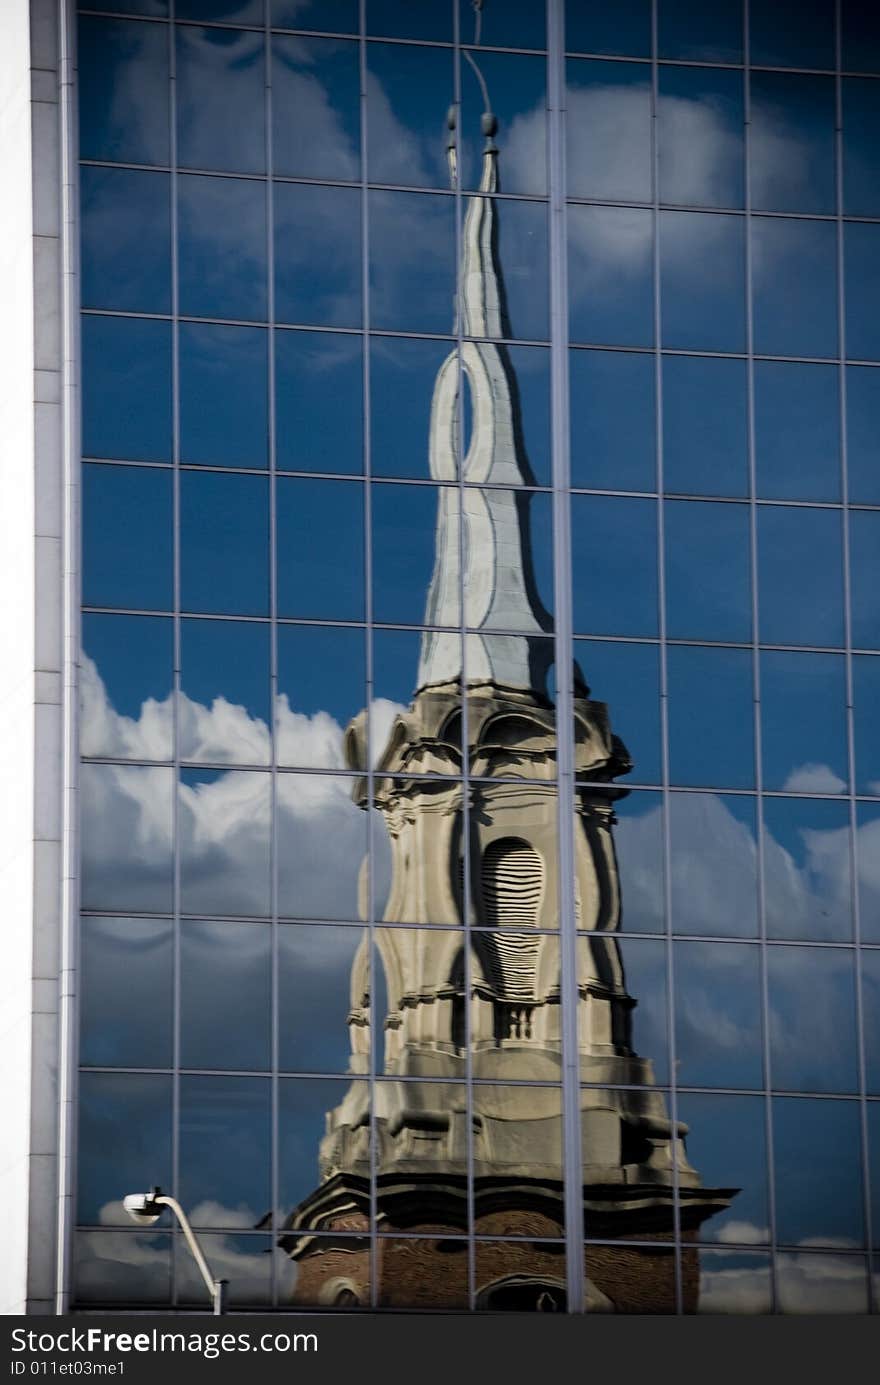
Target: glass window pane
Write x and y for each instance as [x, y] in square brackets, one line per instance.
[406, 520]
[324, 1018]
[701, 137]
[316, 107]
[320, 548]
[127, 538]
[614, 561]
[862, 288]
[126, 389]
[317, 255]
[800, 576]
[863, 434]
[866, 699]
[803, 722]
[332, 16]
[807, 878]
[867, 842]
[122, 1267]
[125, 817]
[708, 587]
[871, 1013]
[412, 256]
[245, 1262]
[221, 80]
[626, 678]
[432, 1275]
[508, 577]
[726, 1144]
[610, 278]
[224, 1159]
[591, 26]
[321, 687]
[224, 388]
[225, 969]
[690, 29]
[408, 93]
[224, 542]
[864, 535]
[792, 149]
[223, 710]
[222, 233]
[705, 426]
[792, 33]
[718, 1015]
[608, 127]
[820, 1283]
[125, 685]
[797, 431]
[713, 864]
[518, 90]
[224, 11]
[516, 24]
[123, 90]
[612, 420]
[861, 134]
[528, 373]
[794, 281]
[431, 20]
[322, 872]
[126, 240]
[521, 249]
[861, 37]
[223, 824]
[126, 993]
[403, 372]
[638, 840]
[811, 994]
[733, 1281]
[124, 1142]
[711, 739]
[311, 1117]
[319, 402]
[818, 1200]
[644, 973]
[702, 279]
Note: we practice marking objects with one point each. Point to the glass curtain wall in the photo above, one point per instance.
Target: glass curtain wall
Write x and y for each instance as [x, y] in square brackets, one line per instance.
[416, 993]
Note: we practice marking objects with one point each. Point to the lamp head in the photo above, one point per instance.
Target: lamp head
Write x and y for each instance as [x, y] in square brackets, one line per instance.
[143, 1208]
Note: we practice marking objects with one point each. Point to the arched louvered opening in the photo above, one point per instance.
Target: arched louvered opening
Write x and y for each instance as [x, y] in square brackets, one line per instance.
[511, 884]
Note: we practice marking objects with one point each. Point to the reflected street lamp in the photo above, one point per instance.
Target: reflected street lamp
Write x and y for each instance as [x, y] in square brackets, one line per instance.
[146, 1209]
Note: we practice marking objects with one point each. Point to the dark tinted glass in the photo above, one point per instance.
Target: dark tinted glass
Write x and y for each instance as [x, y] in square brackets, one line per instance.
[430, 19]
[864, 536]
[792, 151]
[220, 85]
[405, 520]
[690, 29]
[803, 722]
[594, 27]
[861, 133]
[222, 232]
[224, 543]
[860, 33]
[123, 90]
[867, 840]
[701, 137]
[409, 91]
[126, 389]
[794, 283]
[122, 1267]
[608, 126]
[224, 389]
[863, 432]
[317, 255]
[792, 33]
[126, 240]
[818, 1200]
[224, 1168]
[126, 678]
[639, 843]
[713, 860]
[727, 1145]
[246, 1263]
[797, 431]
[223, 825]
[519, 103]
[125, 817]
[799, 576]
[711, 737]
[613, 445]
[321, 872]
[412, 258]
[306, 1107]
[321, 686]
[127, 537]
[626, 678]
[866, 699]
[315, 981]
[614, 563]
[862, 287]
[718, 1014]
[223, 711]
[811, 993]
[644, 970]
[871, 1011]
[333, 16]
[702, 279]
[318, 402]
[320, 548]
[316, 108]
[224, 11]
[705, 429]
[225, 970]
[708, 587]
[126, 995]
[124, 1141]
[521, 229]
[517, 24]
[610, 280]
[807, 880]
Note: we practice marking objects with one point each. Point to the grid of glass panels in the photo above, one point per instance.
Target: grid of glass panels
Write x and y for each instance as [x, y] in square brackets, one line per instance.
[272, 248]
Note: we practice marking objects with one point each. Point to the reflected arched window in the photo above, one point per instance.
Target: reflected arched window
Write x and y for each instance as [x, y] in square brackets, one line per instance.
[512, 882]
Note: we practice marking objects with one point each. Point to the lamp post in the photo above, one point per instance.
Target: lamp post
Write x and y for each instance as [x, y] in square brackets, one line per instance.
[146, 1209]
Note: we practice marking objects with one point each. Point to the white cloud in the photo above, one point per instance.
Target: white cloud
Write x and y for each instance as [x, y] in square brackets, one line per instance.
[813, 778]
[743, 1233]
